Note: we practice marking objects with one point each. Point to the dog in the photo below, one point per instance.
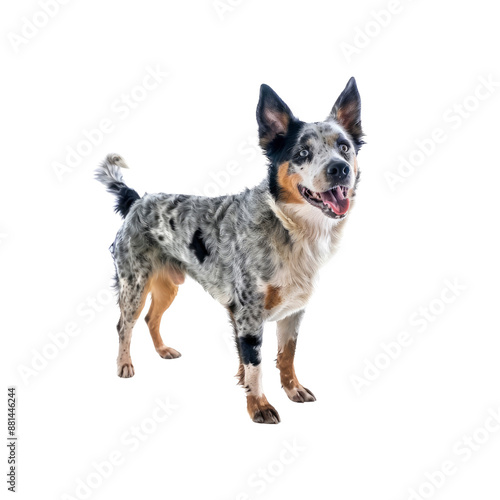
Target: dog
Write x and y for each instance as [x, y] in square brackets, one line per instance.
[257, 253]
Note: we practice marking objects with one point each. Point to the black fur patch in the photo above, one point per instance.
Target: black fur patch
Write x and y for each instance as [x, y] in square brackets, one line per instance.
[249, 349]
[308, 136]
[172, 224]
[198, 246]
[232, 307]
[279, 150]
[126, 198]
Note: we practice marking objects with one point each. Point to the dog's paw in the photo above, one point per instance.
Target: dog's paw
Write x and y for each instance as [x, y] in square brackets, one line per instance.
[168, 352]
[300, 394]
[126, 370]
[267, 415]
[261, 411]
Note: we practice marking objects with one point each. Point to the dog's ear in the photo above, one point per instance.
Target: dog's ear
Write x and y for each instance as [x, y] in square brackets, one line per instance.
[347, 112]
[273, 116]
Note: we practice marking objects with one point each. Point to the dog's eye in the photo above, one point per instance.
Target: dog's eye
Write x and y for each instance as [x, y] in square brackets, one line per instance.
[304, 153]
[344, 148]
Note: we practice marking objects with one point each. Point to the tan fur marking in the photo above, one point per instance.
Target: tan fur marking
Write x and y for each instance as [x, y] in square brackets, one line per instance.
[351, 191]
[163, 287]
[261, 411]
[285, 364]
[257, 403]
[355, 161]
[273, 297]
[289, 185]
[331, 140]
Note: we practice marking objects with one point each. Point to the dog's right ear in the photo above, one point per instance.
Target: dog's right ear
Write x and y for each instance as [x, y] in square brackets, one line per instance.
[273, 116]
[347, 112]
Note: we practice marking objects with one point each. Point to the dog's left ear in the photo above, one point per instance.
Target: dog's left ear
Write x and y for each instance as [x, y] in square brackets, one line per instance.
[273, 116]
[347, 112]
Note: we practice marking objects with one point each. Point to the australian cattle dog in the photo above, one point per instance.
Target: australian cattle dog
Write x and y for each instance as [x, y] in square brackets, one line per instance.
[257, 252]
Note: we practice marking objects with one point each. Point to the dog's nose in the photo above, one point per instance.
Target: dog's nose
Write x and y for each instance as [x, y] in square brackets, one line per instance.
[337, 171]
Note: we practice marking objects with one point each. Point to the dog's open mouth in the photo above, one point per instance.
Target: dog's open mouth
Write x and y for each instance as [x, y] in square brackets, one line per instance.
[333, 202]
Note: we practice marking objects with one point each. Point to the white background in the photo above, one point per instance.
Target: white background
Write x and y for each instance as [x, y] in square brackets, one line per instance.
[399, 248]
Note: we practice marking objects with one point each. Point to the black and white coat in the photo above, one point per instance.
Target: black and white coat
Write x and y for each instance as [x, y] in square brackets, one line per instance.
[257, 253]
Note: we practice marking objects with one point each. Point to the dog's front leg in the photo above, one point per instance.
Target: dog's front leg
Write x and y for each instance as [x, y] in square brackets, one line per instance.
[287, 331]
[249, 338]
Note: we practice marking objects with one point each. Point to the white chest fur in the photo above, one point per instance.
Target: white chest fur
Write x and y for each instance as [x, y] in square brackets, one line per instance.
[299, 264]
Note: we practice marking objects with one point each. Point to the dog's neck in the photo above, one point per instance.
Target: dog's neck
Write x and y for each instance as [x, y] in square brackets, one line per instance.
[306, 223]
[311, 244]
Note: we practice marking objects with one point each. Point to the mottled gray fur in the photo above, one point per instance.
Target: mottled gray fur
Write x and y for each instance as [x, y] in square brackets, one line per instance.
[240, 247]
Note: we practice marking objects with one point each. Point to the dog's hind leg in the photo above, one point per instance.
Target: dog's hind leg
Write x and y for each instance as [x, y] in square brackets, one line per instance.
[287, 331]
[164, 287]
[132, 297]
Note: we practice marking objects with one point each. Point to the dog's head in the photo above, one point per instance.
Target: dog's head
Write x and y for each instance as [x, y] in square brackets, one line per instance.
[312, 164]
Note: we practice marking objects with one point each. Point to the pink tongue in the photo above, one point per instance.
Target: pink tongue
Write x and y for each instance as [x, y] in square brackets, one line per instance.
[335, 200]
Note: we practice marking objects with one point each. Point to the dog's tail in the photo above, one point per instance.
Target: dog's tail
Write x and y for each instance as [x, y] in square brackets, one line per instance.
[110, 175]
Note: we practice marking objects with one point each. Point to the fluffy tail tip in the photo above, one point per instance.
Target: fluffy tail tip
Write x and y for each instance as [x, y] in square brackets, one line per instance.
[117, 160]
[109, 172]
